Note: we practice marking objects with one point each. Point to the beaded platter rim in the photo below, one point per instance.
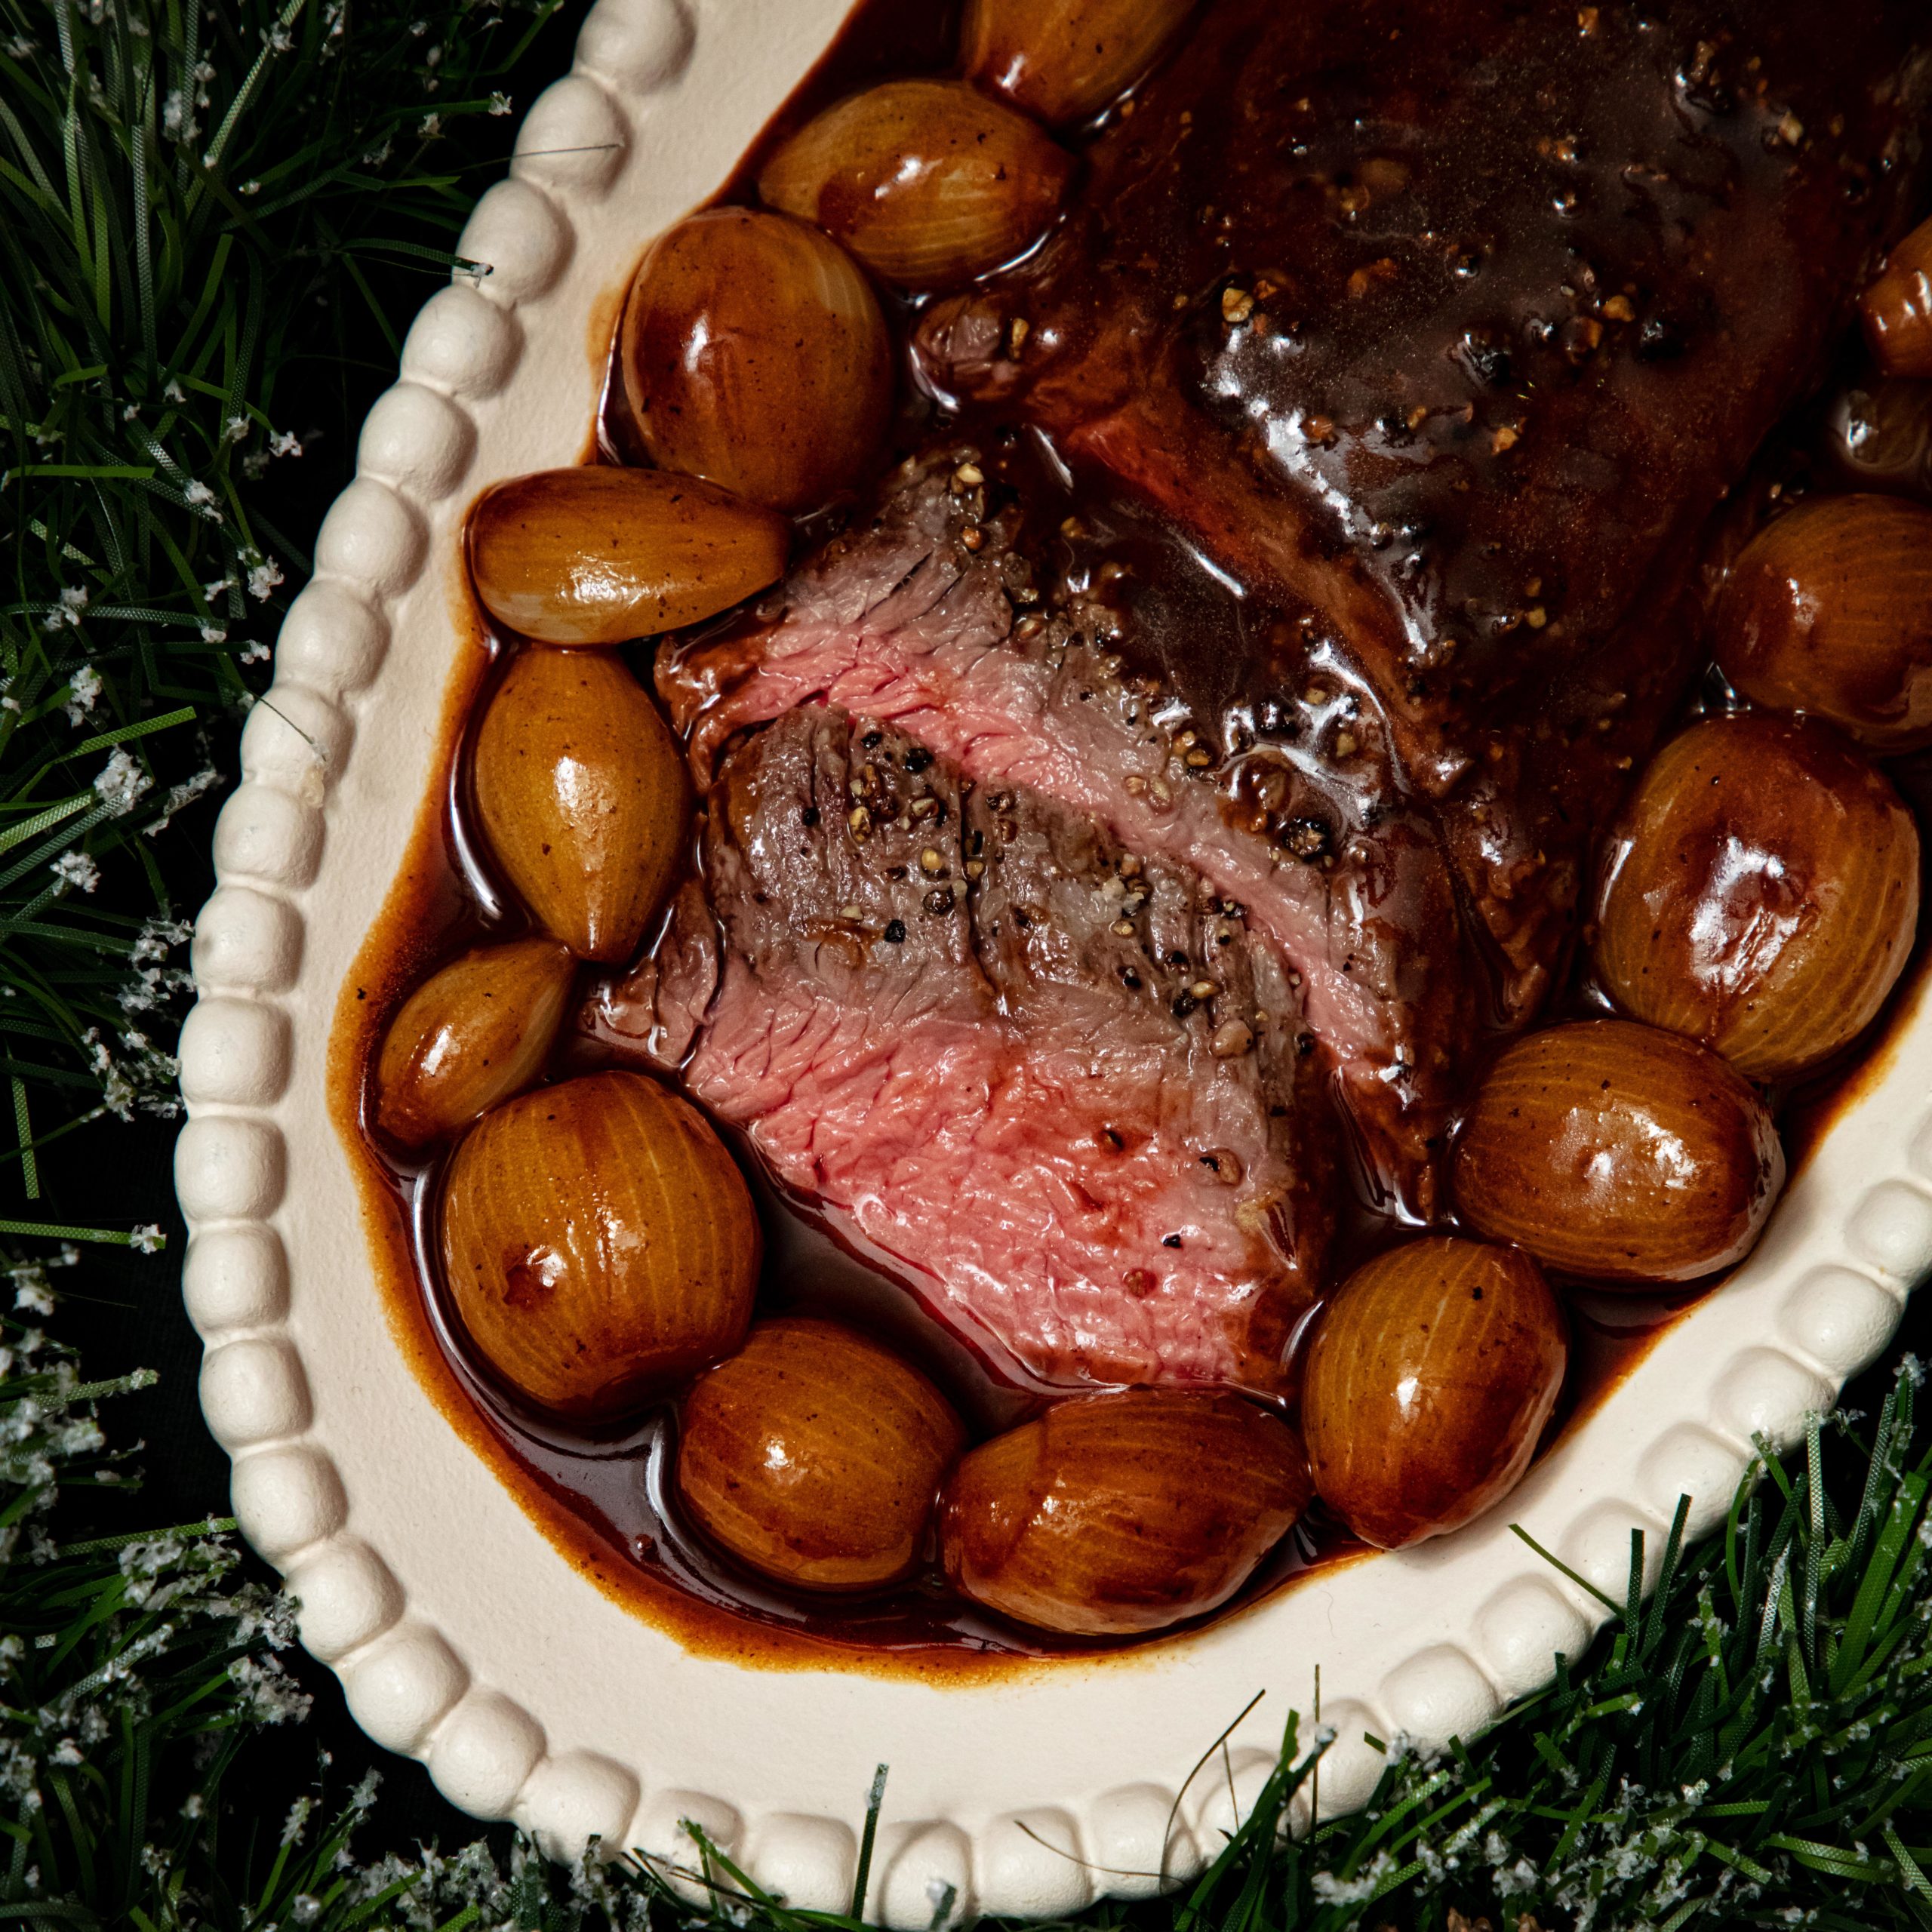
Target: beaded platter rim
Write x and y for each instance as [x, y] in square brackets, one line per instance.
[1028, 1794]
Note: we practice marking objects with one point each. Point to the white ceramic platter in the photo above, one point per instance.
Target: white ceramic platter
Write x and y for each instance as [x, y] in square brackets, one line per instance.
[462, 1635]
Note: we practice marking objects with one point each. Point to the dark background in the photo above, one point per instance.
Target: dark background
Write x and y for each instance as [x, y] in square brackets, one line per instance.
[123, 1309]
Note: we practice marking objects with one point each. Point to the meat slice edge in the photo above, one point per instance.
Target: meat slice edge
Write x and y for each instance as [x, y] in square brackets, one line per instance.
[1064, 1087]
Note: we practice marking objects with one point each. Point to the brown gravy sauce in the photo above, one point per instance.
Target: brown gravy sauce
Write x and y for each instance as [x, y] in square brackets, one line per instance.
[603, 1502]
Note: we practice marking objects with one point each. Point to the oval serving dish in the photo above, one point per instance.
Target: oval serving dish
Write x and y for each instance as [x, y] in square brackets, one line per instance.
[463, 1635]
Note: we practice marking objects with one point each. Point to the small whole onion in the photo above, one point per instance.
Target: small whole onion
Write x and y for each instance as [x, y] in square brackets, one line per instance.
[1879, 435]
[598, 1243]
[470, 1036]
[596, 555]
[1897, 308]
[1828, 610]
[1760, 893]
[754, 354]
[928, 183]
[1620, 1152]
[1061, 61]
[1428, 1385]
[815, 1456]
[1111, 1516]
[582, 797]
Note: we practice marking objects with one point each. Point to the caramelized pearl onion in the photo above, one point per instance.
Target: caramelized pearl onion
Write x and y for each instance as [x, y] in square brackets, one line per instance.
[598, 1243]
[1428, 1385]
[1760, 893]
[593, 555]
[1110, 1515]
[1829, 610]
[815, 1456]
[928, 183]
[1897, 308]
[582, 796]
[1879, 435]
[470, 1036]
[1063, 60]
[754, 354]
[1618, 1151]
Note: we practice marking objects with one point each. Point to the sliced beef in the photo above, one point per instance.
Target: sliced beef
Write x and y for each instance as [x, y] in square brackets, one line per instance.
[927, 616]
[1065, 1087]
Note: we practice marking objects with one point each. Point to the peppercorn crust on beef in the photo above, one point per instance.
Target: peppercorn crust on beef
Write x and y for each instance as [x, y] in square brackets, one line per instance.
[1066, 1089]
[1455, 325]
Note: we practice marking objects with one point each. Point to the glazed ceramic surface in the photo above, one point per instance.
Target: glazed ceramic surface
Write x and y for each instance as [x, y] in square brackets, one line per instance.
[461, 1634]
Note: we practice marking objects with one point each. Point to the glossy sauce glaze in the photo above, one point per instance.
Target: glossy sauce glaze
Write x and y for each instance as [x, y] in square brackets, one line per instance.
[1298, 733]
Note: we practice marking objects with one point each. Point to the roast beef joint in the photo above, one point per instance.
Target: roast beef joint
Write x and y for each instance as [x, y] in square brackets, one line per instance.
[1230, 705]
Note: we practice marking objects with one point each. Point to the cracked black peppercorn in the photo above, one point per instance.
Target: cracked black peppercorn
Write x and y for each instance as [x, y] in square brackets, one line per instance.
[1306, 838]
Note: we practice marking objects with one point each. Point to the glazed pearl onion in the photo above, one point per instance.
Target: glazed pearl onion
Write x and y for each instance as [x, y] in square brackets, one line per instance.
[1828, 610]
[1620, 1152]
[753, 353]
[1760, 893]
[1427, 1386]
[928, 183]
